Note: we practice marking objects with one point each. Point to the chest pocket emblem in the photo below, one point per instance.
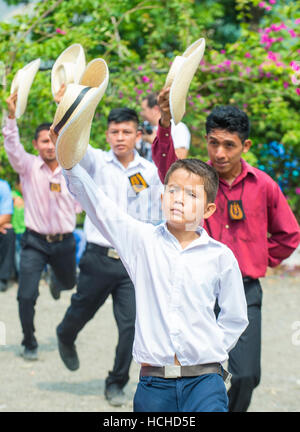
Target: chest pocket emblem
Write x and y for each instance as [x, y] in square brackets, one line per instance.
[55, 187]
[235, 210]
[138, 183]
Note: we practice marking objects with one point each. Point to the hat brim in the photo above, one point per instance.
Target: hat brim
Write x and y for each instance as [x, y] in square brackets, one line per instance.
[74, 136]
[74, 58]
[22, 83]
[180, 77]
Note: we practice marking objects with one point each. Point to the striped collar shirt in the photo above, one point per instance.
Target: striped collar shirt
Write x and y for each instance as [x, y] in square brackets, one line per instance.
[48, 205]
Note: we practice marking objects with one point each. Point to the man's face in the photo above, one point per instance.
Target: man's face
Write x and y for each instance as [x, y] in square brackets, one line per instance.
[225, 149]
[45, 146]
[184, 201]
[122, 137]
[148, 113]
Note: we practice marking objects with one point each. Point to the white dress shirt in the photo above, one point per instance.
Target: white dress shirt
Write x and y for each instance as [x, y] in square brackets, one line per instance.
[111, 176]
[176, 288]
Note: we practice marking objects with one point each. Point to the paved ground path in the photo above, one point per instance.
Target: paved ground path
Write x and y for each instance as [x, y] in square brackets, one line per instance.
[47, 386]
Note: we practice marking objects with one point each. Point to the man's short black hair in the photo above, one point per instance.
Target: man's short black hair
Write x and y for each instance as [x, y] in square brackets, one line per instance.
[229, 118]
[151, 99]
[41, 127]
[207, 173]
[119, 115]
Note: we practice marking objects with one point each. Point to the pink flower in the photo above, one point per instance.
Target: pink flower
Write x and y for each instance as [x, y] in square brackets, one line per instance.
[60, 31]
[268, 8]
[222, 51]
[140, 68]
[298, 91]
[261, 4]
[145, 78]
[292, 33]
[272, 1]
[297, 190]
[248, 55]
[285, 84]
[297, 21]
[272, 56]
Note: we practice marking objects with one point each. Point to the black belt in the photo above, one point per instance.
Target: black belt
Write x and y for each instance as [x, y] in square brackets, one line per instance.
[176, 371]
[107, 251]
[50, 238]
[248, 279]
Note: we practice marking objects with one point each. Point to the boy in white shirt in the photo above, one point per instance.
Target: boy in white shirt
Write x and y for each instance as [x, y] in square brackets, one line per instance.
[179, 343]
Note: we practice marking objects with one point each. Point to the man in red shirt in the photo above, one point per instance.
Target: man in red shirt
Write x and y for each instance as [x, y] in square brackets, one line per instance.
[252, 218]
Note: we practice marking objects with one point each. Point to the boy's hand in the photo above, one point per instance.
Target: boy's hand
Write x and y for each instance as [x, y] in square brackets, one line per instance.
[59, 95]
[11, 104]
[163, 102]
[53, 135]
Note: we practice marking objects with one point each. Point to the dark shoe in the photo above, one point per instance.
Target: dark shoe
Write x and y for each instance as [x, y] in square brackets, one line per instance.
[115, 395]
[68, 355]
[54, 287]
[30, 354]
[3, 285]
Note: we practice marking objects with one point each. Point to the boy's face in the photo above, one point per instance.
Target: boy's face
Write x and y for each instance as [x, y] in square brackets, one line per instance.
[225, 150]
[122, 137]
[184, 202]
[45, 146]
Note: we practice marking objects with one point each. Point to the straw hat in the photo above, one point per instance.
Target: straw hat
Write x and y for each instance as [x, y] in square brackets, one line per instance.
[75, 112]
[180, 76]
[21, 84]
[68, 67]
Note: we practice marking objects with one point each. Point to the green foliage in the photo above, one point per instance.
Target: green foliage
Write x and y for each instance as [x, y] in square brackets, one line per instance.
[247, 62]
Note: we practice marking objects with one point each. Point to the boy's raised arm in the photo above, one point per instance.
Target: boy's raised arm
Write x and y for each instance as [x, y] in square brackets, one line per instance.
[122, 231]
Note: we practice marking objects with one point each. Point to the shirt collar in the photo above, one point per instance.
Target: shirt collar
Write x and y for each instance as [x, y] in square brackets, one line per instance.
[246, 169]
[138, 160]
[42, 163]
[202, 240]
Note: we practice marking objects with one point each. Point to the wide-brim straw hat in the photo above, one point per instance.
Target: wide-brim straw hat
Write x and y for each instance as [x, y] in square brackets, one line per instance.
[68, 67]
[180, 76]
[22, 83]
[75, 112]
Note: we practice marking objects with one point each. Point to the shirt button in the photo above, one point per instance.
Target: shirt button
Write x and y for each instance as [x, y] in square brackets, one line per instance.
[164, 155]
[227, 226]
[167, 134]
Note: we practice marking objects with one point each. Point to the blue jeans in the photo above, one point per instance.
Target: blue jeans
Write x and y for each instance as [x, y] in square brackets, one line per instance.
[205, 393]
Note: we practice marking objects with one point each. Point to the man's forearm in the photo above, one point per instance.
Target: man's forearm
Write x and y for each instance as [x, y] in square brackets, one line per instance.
[163, 153]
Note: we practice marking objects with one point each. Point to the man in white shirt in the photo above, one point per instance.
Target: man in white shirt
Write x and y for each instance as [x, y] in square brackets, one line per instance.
[133, 184]
[180, 133]
[178, 272]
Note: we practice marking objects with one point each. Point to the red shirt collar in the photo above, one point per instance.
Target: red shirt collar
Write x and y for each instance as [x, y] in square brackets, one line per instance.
[246, 169]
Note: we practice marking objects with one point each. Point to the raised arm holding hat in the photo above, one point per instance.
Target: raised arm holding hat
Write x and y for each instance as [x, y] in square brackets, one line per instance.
[50, 218]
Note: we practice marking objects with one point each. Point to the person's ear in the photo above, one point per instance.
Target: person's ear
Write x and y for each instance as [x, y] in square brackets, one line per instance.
[210, 209]
[246, 146]
[34, 142]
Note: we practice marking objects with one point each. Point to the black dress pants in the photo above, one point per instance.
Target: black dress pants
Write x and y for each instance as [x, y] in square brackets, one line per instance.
[99, 277]
[7, 254]
[244, 358]
[35, 254]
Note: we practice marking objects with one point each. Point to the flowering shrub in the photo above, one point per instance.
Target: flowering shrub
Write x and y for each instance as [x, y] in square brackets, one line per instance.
[258, 70]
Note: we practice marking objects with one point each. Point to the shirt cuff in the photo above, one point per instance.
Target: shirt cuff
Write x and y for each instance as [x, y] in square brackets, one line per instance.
[11, 123]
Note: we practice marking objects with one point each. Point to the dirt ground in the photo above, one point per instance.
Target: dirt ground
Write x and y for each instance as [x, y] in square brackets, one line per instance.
[47, 386]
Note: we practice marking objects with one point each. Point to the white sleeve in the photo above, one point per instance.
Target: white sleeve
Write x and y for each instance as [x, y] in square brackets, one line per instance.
[91, 159]
[232, 319]
[181, 136]
[122, 231]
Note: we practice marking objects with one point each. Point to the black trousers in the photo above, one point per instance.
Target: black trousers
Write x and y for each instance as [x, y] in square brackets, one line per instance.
[99, 277]
[244, 358]
[7, 254]
[35, 254]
